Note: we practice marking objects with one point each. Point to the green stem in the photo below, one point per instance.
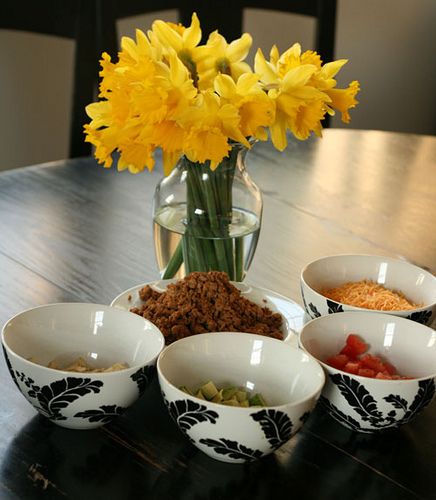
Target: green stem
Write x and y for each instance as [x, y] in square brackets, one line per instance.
[239, 259]
[203, 255]
[193, 252]
[219, 227]
[174, 263]
[206, 243]
[223, 189]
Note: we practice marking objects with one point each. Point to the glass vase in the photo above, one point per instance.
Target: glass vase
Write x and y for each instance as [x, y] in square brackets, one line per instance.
[207, 219]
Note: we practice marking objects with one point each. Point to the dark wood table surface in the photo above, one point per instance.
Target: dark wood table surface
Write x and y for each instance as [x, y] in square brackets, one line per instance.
[73, 231]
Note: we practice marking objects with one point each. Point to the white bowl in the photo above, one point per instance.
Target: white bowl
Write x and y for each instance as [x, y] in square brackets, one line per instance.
[415, 283]
[369, 404]
[293, 314]
[287, 378]
[65, 331]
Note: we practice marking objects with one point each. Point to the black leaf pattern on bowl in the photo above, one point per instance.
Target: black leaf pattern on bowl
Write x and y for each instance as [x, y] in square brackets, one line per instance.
[396, 401]
[232, 449]
[276, 425]
[143, 377]
[304, 299]
[334, 307]
[104, 414]
[423, 397]
[28, 382]
[366, 407]
[305, 416]
[59, 394]
[8, 364]
[187, 413]
[420, 317]
[164, 397]
[348, 421]
[358, 398]
[313, 313]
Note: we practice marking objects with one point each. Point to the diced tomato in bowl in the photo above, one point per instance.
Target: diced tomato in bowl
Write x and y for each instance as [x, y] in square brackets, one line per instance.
[354, 346]
[338, 361]
[353, 358]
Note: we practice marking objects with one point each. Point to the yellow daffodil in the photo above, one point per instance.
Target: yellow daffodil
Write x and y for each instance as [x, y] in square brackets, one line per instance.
[292, 58]
[341, 99]
[176, 37]
[219, 57]
[344, 99]
[135, 155]
[166, 91]
[184, 41]
[299, 106]
[256, 110]
[210, 124]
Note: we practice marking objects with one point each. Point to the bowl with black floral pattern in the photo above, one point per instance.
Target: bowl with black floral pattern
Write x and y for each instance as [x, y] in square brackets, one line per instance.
[287, 378]
[371, 405]
[88, 338]
[416, 284]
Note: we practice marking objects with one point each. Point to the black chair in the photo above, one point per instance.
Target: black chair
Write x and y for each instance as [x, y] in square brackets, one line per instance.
[79, 20]
[227, 16]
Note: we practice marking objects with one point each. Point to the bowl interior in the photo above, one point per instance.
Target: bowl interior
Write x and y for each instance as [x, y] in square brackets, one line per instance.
[415, 283]
[409, 346]
[101, 334]
[281, 373]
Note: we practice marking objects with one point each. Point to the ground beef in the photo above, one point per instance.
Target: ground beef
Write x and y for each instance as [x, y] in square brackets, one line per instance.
[205, 302]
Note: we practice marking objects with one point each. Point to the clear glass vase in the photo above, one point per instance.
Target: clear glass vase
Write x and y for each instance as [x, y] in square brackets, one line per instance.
[206, 219]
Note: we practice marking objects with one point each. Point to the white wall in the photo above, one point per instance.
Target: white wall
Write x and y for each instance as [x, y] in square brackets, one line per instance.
[389, 43]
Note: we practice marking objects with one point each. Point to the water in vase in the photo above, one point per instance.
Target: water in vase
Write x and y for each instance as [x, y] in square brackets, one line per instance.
[233, 253]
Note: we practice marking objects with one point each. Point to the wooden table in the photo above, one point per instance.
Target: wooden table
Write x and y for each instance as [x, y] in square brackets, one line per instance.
[73, 231]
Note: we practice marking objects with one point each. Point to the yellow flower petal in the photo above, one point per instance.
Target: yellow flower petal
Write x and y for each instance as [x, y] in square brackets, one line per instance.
[264, 69]
[178, 71]
[274, 55]
[169, 160]
[129, 46]
[100, 113]
[298, 76]
[344, 99]
[246, 82]
[238, 49]
[230, 120]
[256, 114]
[225, 86]
[168, 135]
[238, 69]
[143, 45]
[207, 144]
[330, 69]
[192, 35]
[261, 134]
[167, 36]
[308, 119]
[278, 132]
[135, 157]
[311, 57]
[102, 151]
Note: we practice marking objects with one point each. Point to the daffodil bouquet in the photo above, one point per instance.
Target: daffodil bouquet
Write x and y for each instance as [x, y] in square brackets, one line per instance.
[197, 103]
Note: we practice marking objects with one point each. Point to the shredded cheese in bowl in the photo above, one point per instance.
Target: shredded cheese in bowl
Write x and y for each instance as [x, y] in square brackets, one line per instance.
[369, 295]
